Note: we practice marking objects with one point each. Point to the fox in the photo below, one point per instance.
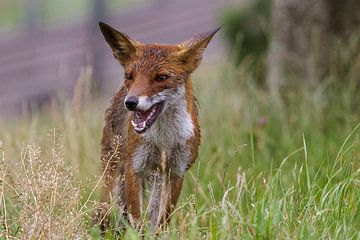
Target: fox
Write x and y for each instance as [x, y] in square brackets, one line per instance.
[151, 135]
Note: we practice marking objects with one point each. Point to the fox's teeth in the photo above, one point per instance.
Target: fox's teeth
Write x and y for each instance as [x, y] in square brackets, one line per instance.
[151, 113]
[140, 127]
[133, 123]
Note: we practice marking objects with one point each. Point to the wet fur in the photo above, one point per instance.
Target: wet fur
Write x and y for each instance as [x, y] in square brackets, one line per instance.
[131, 161]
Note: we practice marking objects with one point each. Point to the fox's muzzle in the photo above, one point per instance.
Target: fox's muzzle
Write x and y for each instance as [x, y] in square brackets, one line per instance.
[131, 103]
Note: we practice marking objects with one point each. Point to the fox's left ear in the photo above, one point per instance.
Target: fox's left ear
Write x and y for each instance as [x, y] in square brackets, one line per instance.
[193, 49]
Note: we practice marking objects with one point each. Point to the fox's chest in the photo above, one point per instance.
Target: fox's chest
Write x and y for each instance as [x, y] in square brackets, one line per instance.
[169, 134]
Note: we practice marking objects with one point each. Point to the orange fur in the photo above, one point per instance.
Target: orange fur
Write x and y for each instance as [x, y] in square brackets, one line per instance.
[130, 159]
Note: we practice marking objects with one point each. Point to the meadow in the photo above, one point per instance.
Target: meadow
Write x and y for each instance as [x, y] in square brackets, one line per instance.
[269, 167]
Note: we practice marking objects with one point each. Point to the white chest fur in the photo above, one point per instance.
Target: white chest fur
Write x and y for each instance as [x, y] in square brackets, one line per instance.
[173, 126]
[169, 134]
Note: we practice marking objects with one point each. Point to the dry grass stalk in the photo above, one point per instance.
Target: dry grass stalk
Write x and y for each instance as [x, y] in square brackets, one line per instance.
[45, 194]
[82, 89]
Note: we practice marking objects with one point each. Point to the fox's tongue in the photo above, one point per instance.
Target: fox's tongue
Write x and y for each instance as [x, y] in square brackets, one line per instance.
[140, 119]
[142, 115]
[144, 119]
[140, 126]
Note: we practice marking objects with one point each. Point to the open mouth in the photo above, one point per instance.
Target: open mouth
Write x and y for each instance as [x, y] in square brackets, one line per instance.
[143, 120]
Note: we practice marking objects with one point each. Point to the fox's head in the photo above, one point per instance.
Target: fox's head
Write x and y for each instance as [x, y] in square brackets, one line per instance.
[155, 74]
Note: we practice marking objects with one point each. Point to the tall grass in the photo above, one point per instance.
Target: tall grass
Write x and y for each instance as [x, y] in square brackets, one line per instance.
[268, 168]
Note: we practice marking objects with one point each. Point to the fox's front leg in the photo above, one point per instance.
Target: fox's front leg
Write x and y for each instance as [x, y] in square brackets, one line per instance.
[172, 188]
[164, 194]
[132, 194]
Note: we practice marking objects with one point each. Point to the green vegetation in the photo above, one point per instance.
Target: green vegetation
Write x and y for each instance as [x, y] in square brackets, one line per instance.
[247, 31]
[267, 169]
[54, 12]
[248, 28]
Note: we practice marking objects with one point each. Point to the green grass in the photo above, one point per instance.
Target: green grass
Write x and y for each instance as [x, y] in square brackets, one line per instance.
[267, 168]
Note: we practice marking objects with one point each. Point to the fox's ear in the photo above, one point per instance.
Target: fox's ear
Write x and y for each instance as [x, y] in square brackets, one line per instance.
[193, 49]
[123, 47]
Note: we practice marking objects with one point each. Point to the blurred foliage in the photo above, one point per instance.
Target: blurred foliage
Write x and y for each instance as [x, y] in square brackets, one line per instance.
[9, 13]
[247, 31]
[12, 12]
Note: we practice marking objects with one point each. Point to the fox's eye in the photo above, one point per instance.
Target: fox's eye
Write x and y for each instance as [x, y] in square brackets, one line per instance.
[161, 78]
[128, 76]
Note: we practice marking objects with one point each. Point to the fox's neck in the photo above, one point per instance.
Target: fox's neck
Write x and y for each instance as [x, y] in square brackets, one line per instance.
[189, 96]
[175, 124]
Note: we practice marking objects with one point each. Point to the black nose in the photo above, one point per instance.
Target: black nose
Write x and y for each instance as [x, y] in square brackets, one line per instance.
[131, 103]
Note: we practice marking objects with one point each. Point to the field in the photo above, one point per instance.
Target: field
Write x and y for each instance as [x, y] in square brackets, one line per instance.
[269, 167]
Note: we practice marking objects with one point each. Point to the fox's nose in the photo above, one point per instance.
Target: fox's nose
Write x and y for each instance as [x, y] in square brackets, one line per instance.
[131, 103]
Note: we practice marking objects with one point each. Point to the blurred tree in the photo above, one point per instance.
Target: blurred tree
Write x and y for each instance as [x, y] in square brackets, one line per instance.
[99, 13]
[99, 10]
[306, 36]
[32, 14]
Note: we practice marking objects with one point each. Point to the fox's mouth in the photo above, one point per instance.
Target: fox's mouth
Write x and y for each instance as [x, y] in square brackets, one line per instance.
[143, 120]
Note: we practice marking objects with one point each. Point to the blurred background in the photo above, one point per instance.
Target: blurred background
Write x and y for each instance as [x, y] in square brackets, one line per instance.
[45, 45]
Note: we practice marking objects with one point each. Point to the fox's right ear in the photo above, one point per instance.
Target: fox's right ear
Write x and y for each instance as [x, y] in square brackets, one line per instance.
[123, 47]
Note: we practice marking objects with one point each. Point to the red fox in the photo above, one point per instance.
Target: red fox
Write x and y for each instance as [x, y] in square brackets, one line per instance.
[152, 134]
